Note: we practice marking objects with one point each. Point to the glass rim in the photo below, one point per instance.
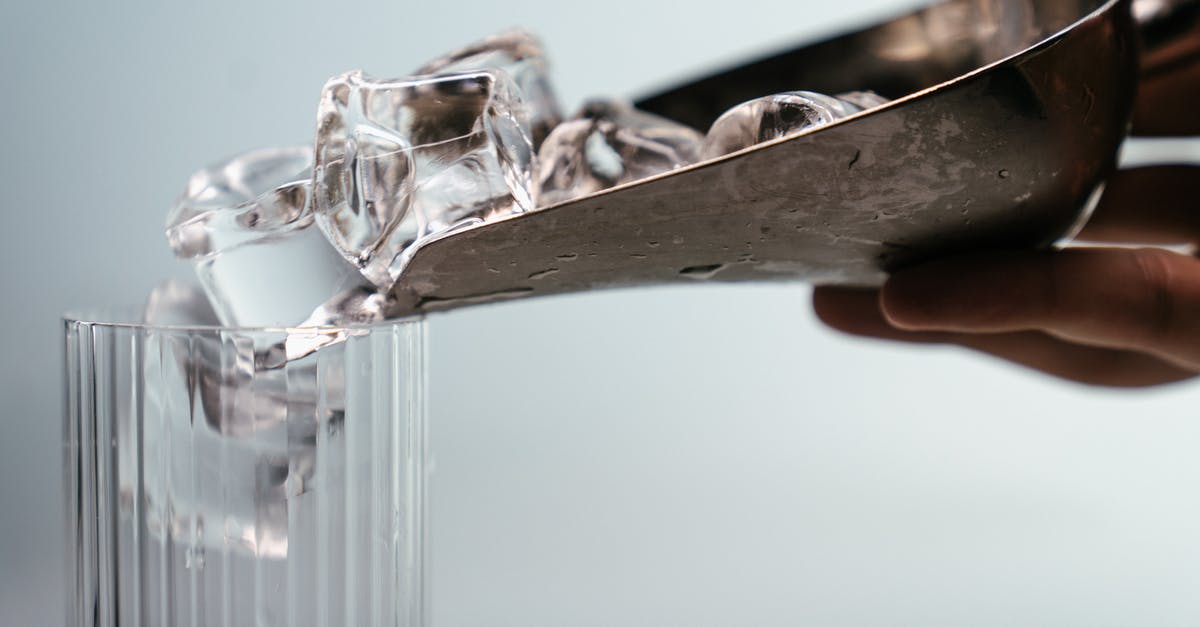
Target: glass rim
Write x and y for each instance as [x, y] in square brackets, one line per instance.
[130, 317]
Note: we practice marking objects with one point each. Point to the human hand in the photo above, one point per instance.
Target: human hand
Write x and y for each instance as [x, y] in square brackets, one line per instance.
[1104, 316]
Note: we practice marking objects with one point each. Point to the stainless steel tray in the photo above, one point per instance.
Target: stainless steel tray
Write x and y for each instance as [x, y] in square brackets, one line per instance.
[1007, 118]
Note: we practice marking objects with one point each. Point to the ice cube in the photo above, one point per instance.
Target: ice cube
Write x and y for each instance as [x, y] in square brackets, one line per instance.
[863, 99]
[250, 431]
[196, 357]
[239, 374]
[250, 197]
[780, 115]
[520, 55]
[609, 143]
[245, 226]
[175, 303]
[443, 152]
[331, 323]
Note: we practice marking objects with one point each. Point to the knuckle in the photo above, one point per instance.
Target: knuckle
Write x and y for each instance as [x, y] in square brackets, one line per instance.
[1157, 303]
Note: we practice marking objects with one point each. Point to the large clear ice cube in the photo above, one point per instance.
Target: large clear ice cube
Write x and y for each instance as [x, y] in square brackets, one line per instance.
[218, 375]
[402, 159]
[246, 392]
[520, 55]
[245, 225]
[609, 143]
[263, 422]
[780, 115]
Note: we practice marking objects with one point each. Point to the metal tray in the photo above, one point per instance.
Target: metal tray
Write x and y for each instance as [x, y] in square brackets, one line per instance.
[1006, 119]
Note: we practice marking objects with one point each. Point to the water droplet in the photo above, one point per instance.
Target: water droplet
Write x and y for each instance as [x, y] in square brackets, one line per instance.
[1003, 174]
[701, 272]
[568, 257]
[652, 244]
[541, 274]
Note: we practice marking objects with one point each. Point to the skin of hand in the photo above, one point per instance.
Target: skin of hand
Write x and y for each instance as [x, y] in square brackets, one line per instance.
[1111, 316]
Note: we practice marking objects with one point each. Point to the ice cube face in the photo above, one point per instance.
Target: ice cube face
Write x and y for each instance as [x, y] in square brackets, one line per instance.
[363, 179]
[520, 55]
[405, 159]
[245, 225]
[780, 115]
[610, 143]
[258, 195]
[178, 303]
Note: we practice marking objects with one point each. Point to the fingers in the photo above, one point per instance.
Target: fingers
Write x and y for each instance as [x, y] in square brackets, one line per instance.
[1145, 300]
[1169, 90]
[1077, 362]
[1149, 205]
[858, 312]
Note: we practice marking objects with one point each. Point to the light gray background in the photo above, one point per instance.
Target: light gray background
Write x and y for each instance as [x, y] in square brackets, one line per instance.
[701, 456]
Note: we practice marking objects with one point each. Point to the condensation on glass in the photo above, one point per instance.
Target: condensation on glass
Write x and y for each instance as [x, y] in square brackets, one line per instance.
[215, 478]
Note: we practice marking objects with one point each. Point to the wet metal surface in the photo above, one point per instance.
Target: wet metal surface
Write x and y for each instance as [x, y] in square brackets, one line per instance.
[969, 156]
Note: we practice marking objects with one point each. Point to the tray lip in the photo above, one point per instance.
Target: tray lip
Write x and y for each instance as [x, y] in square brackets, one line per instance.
[1099, 12]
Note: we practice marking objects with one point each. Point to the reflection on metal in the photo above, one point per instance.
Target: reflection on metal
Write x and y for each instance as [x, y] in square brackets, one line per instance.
[1006, 117]
[1153, 13]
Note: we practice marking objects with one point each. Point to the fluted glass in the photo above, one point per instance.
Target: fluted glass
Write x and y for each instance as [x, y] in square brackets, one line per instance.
[221, 477]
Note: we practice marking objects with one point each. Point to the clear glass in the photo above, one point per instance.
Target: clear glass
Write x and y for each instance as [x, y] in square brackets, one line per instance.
[220, 477]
